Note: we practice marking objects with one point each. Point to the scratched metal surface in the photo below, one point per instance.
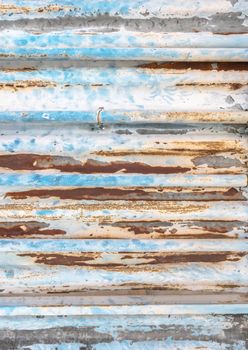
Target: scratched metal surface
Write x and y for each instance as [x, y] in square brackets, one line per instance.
[123, 175]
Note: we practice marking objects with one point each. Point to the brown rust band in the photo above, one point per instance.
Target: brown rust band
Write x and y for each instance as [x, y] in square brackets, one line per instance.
[68, 164]
[204, 66]
[132, 261]
[135, 194]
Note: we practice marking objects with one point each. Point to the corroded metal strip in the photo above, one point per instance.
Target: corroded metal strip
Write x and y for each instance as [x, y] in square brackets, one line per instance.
[125, 194]
[112, 211]
[173, 54]
[117, 144]
[200, 163]
[220, 17]
[166, 74]
[92, 38]
[45, 266]
[131, 297]
[157, 333]
[132, 30]
[112, 245]
[125, 8]
[147, 332]
[46, 273]
[36, 227]
[46, 96]
[12, 180]
[82, 209]
[124, 229]
[151, 310]
[89, 219]
[120, 116]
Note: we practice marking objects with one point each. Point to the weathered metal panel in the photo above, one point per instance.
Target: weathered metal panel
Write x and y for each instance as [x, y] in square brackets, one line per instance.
[123, 175]
[156, 88]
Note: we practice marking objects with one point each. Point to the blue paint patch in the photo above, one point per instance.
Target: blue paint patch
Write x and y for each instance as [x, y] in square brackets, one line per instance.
[37, 180]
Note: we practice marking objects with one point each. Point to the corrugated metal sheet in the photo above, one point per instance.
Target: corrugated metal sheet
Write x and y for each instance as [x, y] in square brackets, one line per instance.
[123, 175]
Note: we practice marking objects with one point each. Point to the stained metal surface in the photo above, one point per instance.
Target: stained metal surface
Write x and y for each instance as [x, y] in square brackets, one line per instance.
[123, 175]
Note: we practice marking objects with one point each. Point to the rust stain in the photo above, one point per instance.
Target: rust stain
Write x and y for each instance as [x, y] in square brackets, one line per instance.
[52, 8]
[159, 229]
[205, 66]
[133, 194]
[207, 147]
[96, 85]
[144, 227]
[79, 193]
[170, 207]
[5, 9]
[231, 192]
[16, 69]
[228, 286]
[68, 164]
[230, 86]
[24, 84]
[229, 33]
[25, 229]
[84, 193]
[131, 261]
[151, 287]
[201, 116]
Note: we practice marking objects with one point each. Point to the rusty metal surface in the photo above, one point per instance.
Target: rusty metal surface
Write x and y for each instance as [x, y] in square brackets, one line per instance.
[123, 175]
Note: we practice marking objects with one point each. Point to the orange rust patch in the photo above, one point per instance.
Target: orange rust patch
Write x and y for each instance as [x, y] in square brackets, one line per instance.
[26, 229]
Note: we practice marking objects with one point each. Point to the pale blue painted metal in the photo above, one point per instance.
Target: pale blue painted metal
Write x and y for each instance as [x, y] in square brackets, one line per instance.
[123, 175]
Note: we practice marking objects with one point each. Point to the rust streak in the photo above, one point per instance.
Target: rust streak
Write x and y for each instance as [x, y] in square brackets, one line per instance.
[24, 84]
[17, 69]
[207, 147]
[5, 9]
[205, 66]
[231, 86]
